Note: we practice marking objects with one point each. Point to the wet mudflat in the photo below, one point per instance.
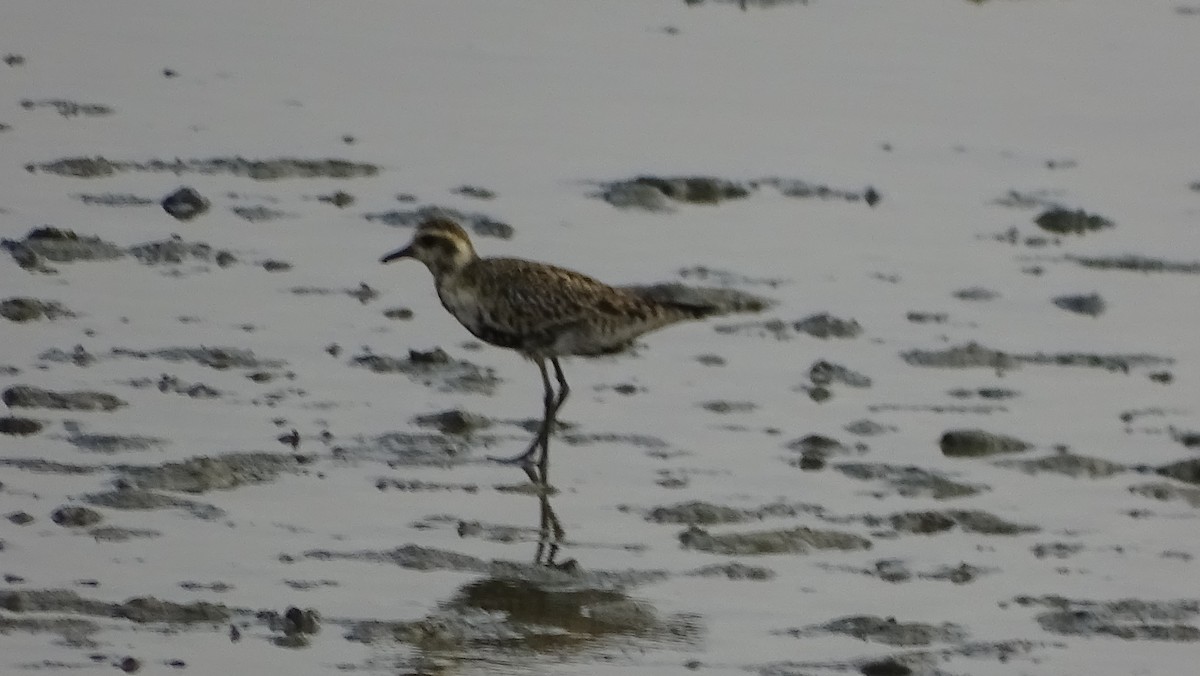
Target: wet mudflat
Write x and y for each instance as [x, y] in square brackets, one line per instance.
[946, 422]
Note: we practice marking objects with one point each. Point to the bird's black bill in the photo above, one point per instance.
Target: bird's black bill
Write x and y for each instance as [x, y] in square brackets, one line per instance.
[406, 252]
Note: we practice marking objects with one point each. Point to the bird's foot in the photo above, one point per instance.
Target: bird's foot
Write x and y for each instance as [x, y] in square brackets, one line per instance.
[524, 460]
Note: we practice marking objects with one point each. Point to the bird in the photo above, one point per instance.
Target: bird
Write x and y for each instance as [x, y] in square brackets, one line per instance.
[542, 311]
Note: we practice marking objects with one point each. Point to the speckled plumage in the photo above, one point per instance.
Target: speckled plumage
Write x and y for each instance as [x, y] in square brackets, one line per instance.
[540, 310]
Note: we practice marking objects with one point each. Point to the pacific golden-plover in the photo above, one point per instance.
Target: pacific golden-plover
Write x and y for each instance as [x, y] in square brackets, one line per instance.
[542, 311]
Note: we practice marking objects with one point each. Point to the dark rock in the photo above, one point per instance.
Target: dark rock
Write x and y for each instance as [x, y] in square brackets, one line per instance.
[185, 204]
[974, 443]
[1065, 221]
[1090, 304]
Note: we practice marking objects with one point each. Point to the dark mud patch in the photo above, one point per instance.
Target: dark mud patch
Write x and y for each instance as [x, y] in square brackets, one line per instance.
[222, 472]
[417, 486]
[1187, 471]
[109, 199]
[43, 466]
[1062, 221]
[480, 224]
[643, 441]
[888, 631]
[662, 193]
[727, 278]
[403, 449]
[19, 427]
[142, 610]
[114, 443]
[816, 449]
[1127, 619]
[966, 520]
[711, 301]
[976, 443]
[723, 406]
[974, 355]
[735, 571]
[27, 396]
[363, 293]
[1089, 304]
[801, 540]
[822, 325]
[915, 662]
[68, 108]
[65, 246]
[119, 534]
[175, 250]
[1069, 464]
[259, 170]
[909, 481]
[1166, 492]
[698, 512]
[217, 358]
[436, 369]
[1136, 263]
[896, 571]
[167, 383]
[22, 309]
[126, 497]
[653, 193]
[72, 632]
[58, 246]
[73, 516]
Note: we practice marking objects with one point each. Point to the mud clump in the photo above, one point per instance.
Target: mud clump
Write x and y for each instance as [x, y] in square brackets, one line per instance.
[970, 521]
[1187, 471]
[26, 396]
[1164, 491]
[910, 481]
[481, 224]
[888, 631]
[175, 250]
[68, 108]
[735, 570]
[1127, 619]
[434, 368]
[203, 474]
[1135, 263]
[975, 443]
[800, 540]
[823, 325]
[114, 443]
[1066, 463]
[974, 355]
[259, 170]
[126, 497]
[653, 193]
[21, 309]
[69, 516]
[1067, 222]
[219, 358]
[23, 427]
[58, 246]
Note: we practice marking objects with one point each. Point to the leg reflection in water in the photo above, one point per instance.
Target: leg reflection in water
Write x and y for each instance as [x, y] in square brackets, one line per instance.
[550, 532]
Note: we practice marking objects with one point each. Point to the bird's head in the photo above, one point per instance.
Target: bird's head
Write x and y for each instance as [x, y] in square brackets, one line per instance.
[441, 244]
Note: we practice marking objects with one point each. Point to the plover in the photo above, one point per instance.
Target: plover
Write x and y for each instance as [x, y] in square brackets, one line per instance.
[542, 311]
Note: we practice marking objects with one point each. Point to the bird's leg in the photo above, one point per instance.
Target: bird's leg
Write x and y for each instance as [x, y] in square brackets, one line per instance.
[551, 413]
[542, 436]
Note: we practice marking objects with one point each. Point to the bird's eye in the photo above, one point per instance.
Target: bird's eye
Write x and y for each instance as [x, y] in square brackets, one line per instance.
[427, 241]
